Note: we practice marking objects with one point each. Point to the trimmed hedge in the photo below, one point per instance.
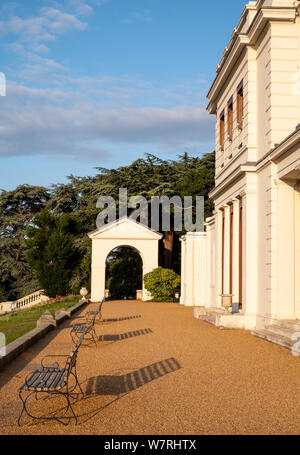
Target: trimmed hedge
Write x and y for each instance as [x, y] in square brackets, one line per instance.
[161, 283]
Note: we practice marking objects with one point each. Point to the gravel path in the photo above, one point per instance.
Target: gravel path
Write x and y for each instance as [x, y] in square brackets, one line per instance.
[157, 370]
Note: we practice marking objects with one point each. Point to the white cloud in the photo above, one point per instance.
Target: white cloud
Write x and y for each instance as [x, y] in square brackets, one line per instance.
[33, 67]
[34, 32]
[140, 16]
[60, 22]
[58, 123]
[81, 7]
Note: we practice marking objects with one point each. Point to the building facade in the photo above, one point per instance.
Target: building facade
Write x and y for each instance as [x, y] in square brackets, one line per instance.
[250, 252]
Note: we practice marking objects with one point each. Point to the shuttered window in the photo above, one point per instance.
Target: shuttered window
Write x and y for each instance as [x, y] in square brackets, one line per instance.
[240, 103]
[222, 128]
[230, 117]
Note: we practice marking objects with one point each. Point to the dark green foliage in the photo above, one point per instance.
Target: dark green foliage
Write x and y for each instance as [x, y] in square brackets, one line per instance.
[17, 208]
[196, 177]
[124, 273]
[161, 283]
[82, 277]
[2, 295]
[51, 251]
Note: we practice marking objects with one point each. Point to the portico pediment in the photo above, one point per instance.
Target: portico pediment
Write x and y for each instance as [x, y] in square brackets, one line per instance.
[125, 228]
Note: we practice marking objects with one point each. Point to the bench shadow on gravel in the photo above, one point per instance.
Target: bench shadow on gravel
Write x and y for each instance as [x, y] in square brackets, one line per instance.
[122, 385]
[125, 318]
[125, 336]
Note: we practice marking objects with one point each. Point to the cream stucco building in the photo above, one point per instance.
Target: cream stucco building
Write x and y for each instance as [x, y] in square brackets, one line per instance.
[250, 251]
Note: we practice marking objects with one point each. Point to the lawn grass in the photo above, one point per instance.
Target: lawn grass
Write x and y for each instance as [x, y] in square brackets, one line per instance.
[16, 324]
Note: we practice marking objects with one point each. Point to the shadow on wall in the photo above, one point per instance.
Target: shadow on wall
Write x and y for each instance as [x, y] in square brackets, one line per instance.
[117, 385]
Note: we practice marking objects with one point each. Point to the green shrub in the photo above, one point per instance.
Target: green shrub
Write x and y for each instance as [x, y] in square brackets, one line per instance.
[161, 283]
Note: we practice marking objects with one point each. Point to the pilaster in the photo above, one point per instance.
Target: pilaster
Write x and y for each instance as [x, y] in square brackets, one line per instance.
[236, 251]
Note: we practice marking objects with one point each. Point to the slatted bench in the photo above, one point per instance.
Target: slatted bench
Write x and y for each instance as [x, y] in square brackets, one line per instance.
[53, 380]
[87, 329]
[97, 313]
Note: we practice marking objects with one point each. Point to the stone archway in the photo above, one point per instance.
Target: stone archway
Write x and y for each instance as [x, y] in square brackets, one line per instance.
[122, 232]
[124, 278]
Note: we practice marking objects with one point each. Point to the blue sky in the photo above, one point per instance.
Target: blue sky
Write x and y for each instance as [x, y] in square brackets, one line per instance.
[101, 82]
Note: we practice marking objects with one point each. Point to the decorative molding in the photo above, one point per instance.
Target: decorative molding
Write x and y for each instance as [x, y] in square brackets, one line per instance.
[241, 151]
[240, 42]
[285, 184]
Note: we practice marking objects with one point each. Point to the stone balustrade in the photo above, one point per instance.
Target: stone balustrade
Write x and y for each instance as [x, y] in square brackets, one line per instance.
[25, 302]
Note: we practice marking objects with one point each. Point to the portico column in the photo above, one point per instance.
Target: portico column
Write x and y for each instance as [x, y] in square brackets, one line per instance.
[219, 247]
[98, 283]
[189, 271]
[226, 265]
[183, 268]
[250, 250]
[236, 252]
[209, 261]
[286, 250]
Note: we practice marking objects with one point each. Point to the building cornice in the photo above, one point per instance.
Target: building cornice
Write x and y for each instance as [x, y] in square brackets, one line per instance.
[209, 221]
[279, 150]
[286, 145]
[235, 176]
[237, 30]
[240, 41]
[238, 46]
[273, 155]
[267, 14]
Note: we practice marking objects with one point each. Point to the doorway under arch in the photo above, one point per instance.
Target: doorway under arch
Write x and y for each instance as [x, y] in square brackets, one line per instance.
[124, 273]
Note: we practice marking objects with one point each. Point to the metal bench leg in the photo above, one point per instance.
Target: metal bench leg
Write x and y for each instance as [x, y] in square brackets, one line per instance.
[76, 385]
[58, 419]
[23, 408]
[94, 335]
[70, 406]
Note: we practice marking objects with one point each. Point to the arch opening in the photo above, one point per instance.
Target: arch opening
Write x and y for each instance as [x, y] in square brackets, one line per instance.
[123, 273]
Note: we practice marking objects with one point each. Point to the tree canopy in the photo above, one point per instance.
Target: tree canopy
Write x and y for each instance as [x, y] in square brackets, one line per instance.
[148, 176]
[17, 209]
[51, 251]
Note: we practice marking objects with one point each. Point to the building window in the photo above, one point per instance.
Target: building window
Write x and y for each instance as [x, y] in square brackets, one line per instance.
[222, 128]
[230, 118]
[240, 104]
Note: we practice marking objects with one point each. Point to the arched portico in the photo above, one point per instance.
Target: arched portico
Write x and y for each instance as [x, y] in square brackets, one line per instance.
[120, 233]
